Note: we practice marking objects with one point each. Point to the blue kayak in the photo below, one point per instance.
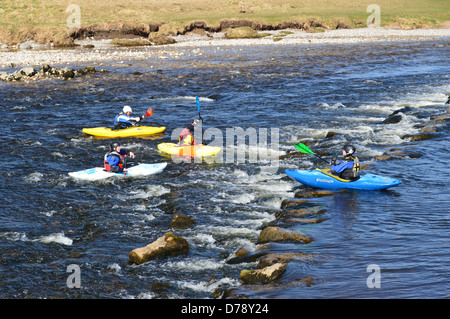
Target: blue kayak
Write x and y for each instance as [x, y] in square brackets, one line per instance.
[324, 179]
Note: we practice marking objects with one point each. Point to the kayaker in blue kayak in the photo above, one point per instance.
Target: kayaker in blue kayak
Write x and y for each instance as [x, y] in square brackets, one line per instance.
[124, 119]
[347, 168]
[115, 159]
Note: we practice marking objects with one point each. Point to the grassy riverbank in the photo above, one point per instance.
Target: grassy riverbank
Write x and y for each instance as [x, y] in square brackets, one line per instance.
[46, 20]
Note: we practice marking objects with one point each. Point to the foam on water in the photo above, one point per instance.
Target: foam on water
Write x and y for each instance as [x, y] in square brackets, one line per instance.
[203, 240]
[195, 264]
[57, 238]
[206, 286]
[228, 231]
[115, 268]
[148, 192]
[237, 242]
[184, 98]
[242, 198]
[34, 177]
[14, 236]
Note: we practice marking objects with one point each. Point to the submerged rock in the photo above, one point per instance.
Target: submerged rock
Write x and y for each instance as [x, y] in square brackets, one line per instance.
[286, 203]
[305, 220]
[393, 119]
[396, 116]
[167, 245]
[274, 258]
[313, 193]
[331, 134]
[181, 221]
[301, 212]
[245, 256]
[441, 117]
[418, 137]
[277, 234]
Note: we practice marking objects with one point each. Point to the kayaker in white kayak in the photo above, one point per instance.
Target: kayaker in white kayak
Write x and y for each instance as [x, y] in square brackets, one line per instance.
[115, 159]
[124, 119]
[347, 168]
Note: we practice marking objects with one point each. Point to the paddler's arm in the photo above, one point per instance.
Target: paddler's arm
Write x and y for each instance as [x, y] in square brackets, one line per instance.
[340, 167]
[125, 152]
[135, 120]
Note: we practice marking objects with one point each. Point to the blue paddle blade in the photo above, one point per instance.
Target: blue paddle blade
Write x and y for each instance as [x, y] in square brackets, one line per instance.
[198, 103]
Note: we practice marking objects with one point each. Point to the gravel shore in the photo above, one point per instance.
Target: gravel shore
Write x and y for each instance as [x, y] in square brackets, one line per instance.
[103, 51]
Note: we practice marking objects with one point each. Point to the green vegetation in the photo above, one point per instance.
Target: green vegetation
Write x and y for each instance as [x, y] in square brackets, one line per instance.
[19, 17]
[243, 33]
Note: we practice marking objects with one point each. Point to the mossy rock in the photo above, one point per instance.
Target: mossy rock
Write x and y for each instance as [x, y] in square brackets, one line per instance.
[242, 33]
[161, 39]
[277, 234]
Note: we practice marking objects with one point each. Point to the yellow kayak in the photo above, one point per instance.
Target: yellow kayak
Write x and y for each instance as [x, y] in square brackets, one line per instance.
[192, 151]
[126, 132]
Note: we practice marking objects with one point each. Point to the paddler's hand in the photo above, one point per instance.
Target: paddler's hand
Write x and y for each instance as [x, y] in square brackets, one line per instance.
[131, 154]
[333, 160]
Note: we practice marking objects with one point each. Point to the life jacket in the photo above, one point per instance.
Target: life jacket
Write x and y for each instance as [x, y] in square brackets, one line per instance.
[126, 121]
[351, 173]
[118, 124]
[115, 154]
[186, 138]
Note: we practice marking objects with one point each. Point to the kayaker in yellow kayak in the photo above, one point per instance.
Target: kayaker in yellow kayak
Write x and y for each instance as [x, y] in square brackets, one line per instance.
[124, 119]
[186, 137]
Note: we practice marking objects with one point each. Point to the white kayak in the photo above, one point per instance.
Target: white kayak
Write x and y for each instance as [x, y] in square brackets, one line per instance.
[99, 173]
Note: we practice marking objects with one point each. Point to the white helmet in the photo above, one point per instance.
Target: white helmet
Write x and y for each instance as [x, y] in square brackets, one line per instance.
[126, 109]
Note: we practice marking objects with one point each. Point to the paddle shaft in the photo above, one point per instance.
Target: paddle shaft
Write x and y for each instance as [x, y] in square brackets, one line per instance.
[305, 149]
[321, 158]
[124, 168]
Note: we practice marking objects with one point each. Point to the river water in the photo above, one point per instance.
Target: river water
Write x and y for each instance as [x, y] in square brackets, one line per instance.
[288, 94]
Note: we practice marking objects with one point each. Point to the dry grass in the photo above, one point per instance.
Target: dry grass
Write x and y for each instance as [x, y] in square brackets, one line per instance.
[44, 17]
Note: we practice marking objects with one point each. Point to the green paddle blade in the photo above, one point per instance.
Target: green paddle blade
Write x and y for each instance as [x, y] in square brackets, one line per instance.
[303, 148]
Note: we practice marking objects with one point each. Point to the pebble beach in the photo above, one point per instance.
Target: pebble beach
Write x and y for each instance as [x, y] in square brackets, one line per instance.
[100, 51]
